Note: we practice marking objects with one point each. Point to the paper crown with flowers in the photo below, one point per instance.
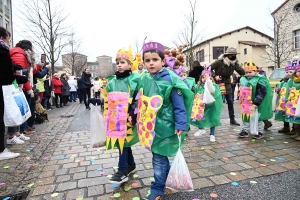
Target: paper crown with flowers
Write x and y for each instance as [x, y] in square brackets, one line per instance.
[290, 66]
[250, 66]
[297, 64]
[125, 54]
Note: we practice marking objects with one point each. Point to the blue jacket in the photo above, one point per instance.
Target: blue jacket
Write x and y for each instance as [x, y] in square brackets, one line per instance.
[177, 101]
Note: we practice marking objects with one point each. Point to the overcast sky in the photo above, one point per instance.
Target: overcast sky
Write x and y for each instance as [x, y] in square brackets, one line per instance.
[107, 25]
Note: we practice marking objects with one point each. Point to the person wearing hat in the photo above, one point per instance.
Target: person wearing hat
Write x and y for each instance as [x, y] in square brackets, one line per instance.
[223, 68]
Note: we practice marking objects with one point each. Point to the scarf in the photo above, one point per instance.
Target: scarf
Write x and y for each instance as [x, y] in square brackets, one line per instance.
[296, 79]
[3, 44]
[123, 74]
[229, 62]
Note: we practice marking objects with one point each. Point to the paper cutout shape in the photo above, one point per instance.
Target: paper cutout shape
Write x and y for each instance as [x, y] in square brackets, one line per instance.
[281, 101]
[147, 111]
[292, 102]
[198, 108]
[246, 101]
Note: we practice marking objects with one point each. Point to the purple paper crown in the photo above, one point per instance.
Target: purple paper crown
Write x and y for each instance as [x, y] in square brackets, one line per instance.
[153, 46]
[290, 66]
[207, 69]
[297, 64]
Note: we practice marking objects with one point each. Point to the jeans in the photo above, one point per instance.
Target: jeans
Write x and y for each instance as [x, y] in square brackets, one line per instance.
[31, 119]
[13, 130]
[46, 103]
[212, 130]
[86, 92]
[60, 99]
[161, 167]
[25, 125]
[125, 159]
[73, 96]
[229, 101]
[233, 90]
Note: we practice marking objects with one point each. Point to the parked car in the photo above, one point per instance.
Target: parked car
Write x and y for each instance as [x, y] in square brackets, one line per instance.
[276, 76]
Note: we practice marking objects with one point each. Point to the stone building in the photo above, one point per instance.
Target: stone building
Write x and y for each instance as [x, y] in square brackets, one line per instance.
[6, 15]
[74, 62]
[103, 67]
[249, 42]
[289, 13]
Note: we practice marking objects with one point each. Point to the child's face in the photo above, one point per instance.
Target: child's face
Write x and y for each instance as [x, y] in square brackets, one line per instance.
[141, 66]
[183, 75]
[153, 62]
[123, 65]
[250, 73]
[298, 73]
[289, 73]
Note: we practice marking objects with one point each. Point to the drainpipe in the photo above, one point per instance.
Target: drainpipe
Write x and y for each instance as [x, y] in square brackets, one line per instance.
[209, 51]
[275, 39]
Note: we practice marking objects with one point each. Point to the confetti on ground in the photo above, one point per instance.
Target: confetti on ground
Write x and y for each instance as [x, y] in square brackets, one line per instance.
[109, 176]
[79, 161]
[253, 140]
[253, 182]
[6, 167]
[57, 157]
[148, 167]
[265, 141]
[93, 160]
[255, 153]
[134, 184]
[2, 183]
[235, 183]
[225, 158]
[100, 169]
[28, 165]
[213, 195]
[271, 138]
[115, 185]
[74, 155]
[273, 160]
[222, 147]
[117, 195]
[115, 167]
[102, 173]
[233, 148]
[281, 159]
[32, 146]
[286, 142]
[151, 179]
[27, 158]
[127, 188]
[238, 143]
[45, 158]
[135, 198]
[195, 199]
[30, 149]
[233, 173]
[30, 185]
[263, 165]
[135, 176]
[79, 198]
[202, 148]
[246, 141]
[54, 195]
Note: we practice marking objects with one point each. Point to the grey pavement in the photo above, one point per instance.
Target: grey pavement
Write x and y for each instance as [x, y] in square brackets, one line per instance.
[81, 120]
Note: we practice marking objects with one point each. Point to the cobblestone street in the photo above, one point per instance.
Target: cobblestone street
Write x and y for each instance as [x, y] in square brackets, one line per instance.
[60, 164]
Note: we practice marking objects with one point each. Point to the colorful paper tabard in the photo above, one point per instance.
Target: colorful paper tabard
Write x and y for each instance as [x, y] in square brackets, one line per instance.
[246, 102]
[198, 107]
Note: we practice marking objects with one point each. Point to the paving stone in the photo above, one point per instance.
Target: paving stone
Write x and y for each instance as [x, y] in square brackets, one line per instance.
[202, 183]
[251, 174]
[51, 168]
[44, 181]
[92, 181]
[254, 163]
[237, 177]
[232, 167]
[220, 179]
[63, 178]
[73, 194]
[77, 169]
[66, 186]
[210, 163]
[265, 171]
[61, 172]
[192, 166]
[277, 168]
[244, 165]
[222, 155]
[81, 175]
[95, 190]
[243, 158]
[43, 190]
[289, 165]
[70, 165]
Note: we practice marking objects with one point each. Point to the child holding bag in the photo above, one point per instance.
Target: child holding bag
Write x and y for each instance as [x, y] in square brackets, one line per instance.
[206, 115]
[255, 93]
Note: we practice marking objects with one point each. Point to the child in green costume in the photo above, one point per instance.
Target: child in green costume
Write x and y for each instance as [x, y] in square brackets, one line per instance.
[207, 115]
[255, 93]
[163, 109]
[120, 120]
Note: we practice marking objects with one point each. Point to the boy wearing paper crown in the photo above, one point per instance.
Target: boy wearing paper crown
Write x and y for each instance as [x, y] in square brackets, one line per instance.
[120, 120]
[282, 91]
[207, 115]
[255, 93]
[292, 112]
[164, 104]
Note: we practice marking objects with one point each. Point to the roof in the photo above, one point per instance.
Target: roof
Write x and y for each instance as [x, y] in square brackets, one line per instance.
[252, 43]
[279, 7]
[228, 33]
[75, 53]
[103, 56]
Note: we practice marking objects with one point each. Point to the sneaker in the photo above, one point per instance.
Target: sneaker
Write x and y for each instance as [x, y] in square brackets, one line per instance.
[23, 137]
[268, 124]
[234, 122]
[15, 140]
[6, 154]
[212, 138]
[243, 134]
[130, 169]
[199, 132]
[259, 136]
[119, 177]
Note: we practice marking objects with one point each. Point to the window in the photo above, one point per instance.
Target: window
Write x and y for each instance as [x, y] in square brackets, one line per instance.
[1, 21]
[217, 51]
[201, 56]
[7, 25]
[297, 39]
[245, 51]
[297, 8]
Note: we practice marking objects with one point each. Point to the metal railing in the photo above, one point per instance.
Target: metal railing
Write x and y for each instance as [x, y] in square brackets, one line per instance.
[7, 11]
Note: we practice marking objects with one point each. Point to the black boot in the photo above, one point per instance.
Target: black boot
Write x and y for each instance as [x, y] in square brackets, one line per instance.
[234, 122]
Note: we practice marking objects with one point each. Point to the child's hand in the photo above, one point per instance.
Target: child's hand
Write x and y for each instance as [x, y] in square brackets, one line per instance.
[130, 119]
[276, 89]
[178, 132]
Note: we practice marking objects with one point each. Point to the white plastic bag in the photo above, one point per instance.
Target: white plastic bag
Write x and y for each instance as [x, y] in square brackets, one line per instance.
[274, 100]
[16, 109]
[179, 177]
[297, 112]
[98, 136]
[207, 97]
[254, 122]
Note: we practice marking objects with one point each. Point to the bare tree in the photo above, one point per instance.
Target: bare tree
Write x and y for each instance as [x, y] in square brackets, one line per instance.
[44, 25]
[137, 46]
[74, 61]
[189, 34]
[278, 50]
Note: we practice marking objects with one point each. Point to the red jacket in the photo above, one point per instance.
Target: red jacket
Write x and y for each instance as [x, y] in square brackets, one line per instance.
[57, 85]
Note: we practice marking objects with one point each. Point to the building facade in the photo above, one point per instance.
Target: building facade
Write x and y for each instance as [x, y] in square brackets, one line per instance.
[6, 15]
[250, 44]
[74, 63]
[94, 69]
[103, 67]
[289, 28]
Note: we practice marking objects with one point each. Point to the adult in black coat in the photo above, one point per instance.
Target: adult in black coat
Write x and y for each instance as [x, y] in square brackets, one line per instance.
[65, 88]
[48, 89]
[196, 70]
[79, 90]
[86, 87]
[6, 78]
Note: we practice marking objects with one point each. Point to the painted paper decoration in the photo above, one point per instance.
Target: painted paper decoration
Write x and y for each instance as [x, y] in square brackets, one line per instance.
[198, 108]
[246, 101]
[281, 100]
[147, 111]
[292, 102]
